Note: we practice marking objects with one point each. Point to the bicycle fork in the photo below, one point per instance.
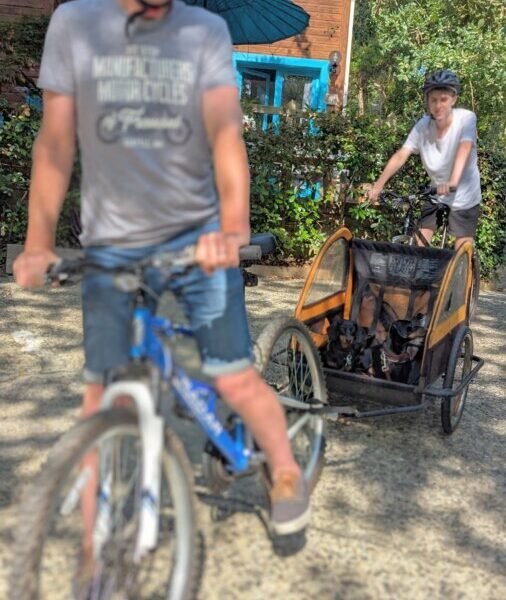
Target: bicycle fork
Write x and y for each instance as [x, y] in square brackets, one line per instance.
[151, 428]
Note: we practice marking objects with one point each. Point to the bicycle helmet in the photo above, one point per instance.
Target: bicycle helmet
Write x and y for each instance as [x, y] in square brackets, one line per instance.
[442, 79]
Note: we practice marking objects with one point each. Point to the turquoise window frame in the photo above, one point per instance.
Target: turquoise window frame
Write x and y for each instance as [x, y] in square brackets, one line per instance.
[317, 70]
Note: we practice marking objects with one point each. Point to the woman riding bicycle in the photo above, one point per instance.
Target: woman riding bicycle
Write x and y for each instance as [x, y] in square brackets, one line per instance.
[445, 138]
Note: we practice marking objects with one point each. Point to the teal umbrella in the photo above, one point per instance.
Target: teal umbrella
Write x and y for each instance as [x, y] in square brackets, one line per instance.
[258, 21]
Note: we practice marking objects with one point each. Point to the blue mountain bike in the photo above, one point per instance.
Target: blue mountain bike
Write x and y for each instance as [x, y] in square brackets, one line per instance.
[142, 519]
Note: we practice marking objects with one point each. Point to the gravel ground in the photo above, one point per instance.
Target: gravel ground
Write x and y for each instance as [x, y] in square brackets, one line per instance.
[401, 511]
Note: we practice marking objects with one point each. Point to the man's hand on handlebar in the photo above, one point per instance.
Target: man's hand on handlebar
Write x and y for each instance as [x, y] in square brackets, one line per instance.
[30, 267]
[218, 250]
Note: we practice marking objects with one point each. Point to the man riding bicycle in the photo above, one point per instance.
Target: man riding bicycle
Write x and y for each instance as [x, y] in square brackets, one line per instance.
[445, 139]
[149, 90]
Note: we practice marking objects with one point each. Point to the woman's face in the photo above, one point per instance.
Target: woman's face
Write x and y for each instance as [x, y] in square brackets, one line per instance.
[440, 103]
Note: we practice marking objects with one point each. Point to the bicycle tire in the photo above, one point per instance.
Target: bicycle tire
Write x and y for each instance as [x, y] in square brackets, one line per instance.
[453, 408]
[475, 286]
[39, 500]
[265, 346]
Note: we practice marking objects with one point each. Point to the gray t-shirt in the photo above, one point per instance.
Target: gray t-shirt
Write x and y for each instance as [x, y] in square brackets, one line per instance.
[438, 156]
[147, 171]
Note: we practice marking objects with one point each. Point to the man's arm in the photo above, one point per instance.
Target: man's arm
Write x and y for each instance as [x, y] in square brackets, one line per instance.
[53, 158]
[223, 121]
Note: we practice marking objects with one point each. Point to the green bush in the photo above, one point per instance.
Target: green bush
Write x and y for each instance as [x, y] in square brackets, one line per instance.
[17, 134]
[21, 45]
[301, 154]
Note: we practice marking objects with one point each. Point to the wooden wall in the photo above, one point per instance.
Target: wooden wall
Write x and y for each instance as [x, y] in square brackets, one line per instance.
[327, 31]
[12, 9]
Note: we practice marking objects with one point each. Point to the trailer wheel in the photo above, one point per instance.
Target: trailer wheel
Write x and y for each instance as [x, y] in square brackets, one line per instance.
[459, 365]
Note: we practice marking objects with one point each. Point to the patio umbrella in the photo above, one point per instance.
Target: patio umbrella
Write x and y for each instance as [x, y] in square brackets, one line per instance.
[258, 21]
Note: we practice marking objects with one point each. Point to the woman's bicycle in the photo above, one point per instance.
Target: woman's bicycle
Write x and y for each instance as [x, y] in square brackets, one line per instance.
[127, 459]
[412, 235]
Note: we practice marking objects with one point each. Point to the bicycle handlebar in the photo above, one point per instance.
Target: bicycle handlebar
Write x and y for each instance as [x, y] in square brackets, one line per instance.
[433, 189]
[430, 193]
[63, 270]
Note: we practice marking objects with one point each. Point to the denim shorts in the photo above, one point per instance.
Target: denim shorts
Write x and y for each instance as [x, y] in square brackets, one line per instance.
[213, 304]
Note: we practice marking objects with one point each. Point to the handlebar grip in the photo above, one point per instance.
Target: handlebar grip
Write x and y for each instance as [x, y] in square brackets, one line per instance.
[433, 189]
[60, 272]
[250, 252]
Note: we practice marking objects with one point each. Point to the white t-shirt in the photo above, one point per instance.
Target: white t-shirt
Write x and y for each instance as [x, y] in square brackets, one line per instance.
[438, 156]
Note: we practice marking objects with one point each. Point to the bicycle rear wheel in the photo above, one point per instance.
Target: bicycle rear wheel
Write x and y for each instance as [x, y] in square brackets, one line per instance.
[475, 286]
[459, 365]
[47, 551]
[290, 363]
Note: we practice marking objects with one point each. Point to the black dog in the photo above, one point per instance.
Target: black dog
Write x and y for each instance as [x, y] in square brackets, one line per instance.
[401, 354]
[349, 346]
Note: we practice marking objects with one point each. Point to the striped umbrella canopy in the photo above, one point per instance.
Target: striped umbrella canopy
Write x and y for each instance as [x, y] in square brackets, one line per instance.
[258, 21]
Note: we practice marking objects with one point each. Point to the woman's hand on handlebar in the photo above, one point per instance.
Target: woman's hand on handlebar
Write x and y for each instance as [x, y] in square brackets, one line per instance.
[374, 192]
[444, 189]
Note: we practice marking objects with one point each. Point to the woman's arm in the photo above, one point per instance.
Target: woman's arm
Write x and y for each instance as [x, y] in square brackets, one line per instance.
[395, 163]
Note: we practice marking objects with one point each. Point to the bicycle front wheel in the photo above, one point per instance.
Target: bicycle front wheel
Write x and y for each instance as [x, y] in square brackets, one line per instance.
[290, 363]
[55, 520]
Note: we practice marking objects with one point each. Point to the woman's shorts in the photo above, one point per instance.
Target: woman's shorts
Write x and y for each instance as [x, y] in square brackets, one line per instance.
[461, 223]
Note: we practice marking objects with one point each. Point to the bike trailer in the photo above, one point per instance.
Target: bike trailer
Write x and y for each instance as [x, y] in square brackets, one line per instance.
[392, 325]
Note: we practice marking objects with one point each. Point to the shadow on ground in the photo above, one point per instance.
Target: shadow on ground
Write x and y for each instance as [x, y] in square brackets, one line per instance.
[401, 509]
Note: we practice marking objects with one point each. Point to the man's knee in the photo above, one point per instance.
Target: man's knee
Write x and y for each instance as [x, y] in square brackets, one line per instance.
[238, 388]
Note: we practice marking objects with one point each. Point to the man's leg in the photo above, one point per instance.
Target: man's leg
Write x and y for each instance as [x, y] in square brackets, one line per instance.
[106, 322]
[215, 306]
[91, 399]
[249, 396]
[91, 404]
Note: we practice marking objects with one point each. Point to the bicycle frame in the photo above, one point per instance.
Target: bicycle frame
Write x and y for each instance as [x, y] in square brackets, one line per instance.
[196, 396]
[411, 227]
[234, 442]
